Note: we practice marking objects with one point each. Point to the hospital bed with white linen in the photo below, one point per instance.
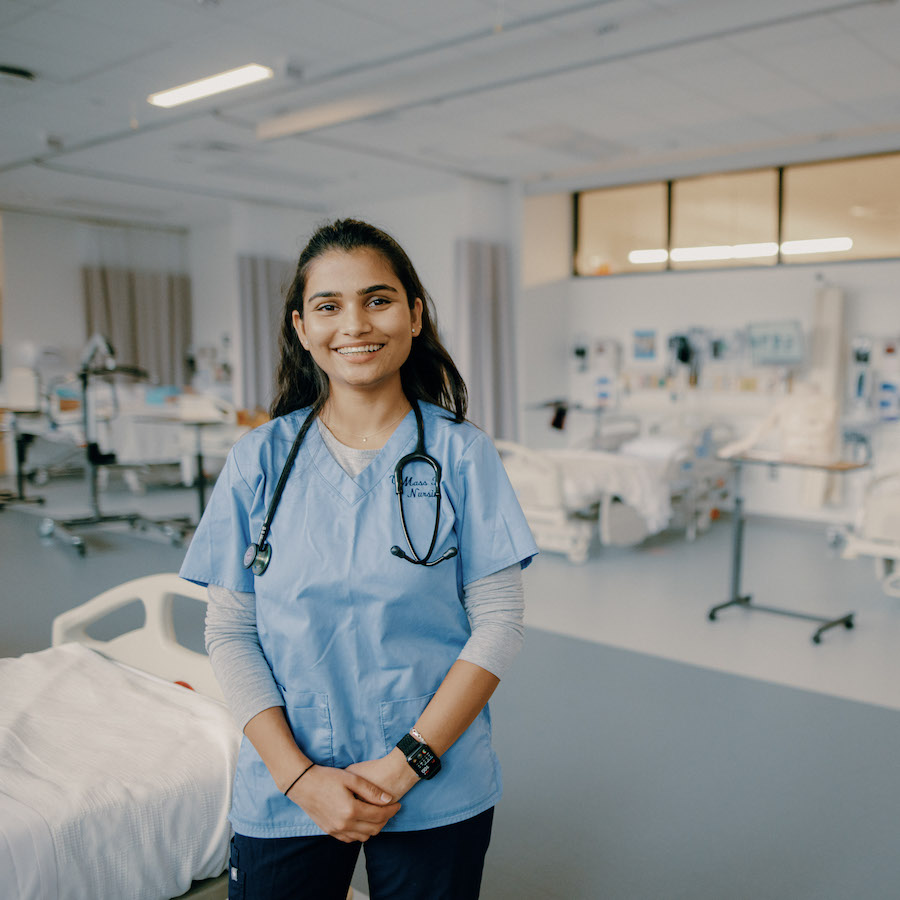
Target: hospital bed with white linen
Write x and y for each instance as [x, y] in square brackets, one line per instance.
[115, 780]
[624, 497]
[877, 531]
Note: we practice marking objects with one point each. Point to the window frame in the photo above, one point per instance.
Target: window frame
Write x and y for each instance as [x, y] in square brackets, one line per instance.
[710, 265]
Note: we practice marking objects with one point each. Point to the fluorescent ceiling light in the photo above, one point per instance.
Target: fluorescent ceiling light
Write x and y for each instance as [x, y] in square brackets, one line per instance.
[754, 251]
[214, 84]
[820, 245]
[739, 251]
[695, 254]
[642, 257]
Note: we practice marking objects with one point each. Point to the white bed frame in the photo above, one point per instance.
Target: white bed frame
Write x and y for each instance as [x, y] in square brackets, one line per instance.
[153, 648]
[878, 531]
[537, 481]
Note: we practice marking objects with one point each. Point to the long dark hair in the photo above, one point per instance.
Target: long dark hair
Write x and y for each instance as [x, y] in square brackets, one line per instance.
[428, 374]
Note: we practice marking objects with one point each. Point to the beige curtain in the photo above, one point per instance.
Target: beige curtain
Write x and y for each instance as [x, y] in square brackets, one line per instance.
[146, 316]
[484, 336]
[263, 284]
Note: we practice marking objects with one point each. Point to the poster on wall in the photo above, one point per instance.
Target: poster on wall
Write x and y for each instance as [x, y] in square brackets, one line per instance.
[644, 344]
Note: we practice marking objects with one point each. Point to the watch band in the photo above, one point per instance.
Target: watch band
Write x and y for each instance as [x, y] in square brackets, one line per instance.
[408, 744]
[423, 760]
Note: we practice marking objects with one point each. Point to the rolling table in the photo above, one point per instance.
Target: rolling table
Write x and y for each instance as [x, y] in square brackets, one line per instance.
[197, 424]
[745, 600]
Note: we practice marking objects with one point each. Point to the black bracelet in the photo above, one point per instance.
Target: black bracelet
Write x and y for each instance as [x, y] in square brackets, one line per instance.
[288, 790]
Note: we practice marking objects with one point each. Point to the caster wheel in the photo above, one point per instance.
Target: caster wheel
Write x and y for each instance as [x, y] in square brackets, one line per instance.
[712, 617]
[80, 548]
[849, 624]
[817, 639]
[46, 528]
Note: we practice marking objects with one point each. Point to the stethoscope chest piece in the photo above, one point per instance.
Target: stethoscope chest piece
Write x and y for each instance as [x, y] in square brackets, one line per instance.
[256, 557]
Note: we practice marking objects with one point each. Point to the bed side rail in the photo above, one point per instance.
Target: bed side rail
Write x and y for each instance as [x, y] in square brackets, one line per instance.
[153, 647]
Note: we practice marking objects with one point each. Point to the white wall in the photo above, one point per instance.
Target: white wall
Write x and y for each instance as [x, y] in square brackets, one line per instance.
[543, 313]
[251, 230]
[42, 301]
[428, 226]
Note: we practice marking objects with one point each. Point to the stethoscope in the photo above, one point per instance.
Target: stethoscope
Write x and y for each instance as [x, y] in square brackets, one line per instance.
[258, 556]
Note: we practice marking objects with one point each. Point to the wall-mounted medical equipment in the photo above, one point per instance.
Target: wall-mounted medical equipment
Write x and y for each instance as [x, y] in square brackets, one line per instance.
[860, 394]
[686, 352]
[887, 366]
[777, 344]
[594, 373]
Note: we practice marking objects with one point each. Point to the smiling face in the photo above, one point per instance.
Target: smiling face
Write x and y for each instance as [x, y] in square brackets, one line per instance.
[357, 323]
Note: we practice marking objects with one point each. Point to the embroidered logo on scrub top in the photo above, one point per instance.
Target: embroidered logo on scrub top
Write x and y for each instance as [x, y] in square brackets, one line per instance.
[417, 487]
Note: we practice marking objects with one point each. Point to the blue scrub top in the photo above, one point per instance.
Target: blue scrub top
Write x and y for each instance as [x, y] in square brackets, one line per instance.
[359, 640]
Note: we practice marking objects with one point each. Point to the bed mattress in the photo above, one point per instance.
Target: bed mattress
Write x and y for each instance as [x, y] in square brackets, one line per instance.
[114, 784]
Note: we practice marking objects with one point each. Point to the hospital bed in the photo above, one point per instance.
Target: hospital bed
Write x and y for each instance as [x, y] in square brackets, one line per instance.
[115, 778]
[147, 429]
[877, 531]
[649, 484]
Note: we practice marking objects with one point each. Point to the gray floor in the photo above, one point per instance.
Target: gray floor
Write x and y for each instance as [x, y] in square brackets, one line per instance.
[628, 776]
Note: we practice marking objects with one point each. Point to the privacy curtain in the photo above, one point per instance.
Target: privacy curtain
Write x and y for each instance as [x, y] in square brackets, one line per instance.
[263, 284]
[484, 345]
[146, 316]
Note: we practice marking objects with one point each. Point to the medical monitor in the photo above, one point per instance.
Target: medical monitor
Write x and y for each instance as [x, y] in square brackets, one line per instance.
[777, 343]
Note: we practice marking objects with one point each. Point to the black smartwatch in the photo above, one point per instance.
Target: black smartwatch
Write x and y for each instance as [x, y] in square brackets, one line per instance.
[424, 761]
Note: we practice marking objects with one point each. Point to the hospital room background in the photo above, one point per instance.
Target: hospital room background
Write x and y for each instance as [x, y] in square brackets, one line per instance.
[652, 747]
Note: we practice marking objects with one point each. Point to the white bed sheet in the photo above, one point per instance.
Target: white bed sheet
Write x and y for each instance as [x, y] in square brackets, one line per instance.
[130, 774]
[589, 474]
[27, 860]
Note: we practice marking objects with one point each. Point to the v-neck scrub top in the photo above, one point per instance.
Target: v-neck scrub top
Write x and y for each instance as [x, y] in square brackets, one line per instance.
[359, 640]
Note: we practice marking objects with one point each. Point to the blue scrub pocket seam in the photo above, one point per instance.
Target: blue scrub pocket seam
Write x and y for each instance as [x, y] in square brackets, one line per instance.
[309, 717]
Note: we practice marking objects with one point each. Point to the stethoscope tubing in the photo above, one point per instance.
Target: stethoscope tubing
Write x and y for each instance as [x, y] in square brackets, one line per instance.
[258, 556]
[419, 455]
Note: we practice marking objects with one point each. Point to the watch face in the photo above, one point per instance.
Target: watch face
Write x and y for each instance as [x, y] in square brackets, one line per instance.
[426, 764]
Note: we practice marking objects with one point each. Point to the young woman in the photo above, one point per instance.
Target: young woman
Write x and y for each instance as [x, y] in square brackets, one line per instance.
[360, 617]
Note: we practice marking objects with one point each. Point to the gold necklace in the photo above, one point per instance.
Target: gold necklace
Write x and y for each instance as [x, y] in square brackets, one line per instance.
[365, 437]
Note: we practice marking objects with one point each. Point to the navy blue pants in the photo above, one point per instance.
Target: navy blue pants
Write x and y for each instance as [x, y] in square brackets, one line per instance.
[438, 863]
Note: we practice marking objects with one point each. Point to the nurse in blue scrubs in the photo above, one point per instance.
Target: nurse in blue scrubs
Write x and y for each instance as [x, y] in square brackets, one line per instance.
[377, 732]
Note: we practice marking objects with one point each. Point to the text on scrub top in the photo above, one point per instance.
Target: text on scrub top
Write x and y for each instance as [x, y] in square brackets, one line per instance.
[413, 487]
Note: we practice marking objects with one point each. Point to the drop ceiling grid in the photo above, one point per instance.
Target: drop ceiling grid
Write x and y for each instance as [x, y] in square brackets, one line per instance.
[43, 189]
[430, 20]
[13, 12]
[166, 156]
[329, 33]
[155, 22]
[65, 47]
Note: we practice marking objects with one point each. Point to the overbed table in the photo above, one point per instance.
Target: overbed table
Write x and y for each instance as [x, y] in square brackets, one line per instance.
[760, 457]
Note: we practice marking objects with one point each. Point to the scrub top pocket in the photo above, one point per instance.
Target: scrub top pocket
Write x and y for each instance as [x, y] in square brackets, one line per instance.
[469, 781]
[309, 716]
